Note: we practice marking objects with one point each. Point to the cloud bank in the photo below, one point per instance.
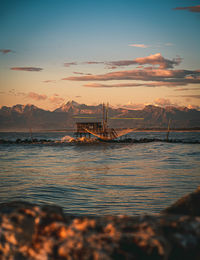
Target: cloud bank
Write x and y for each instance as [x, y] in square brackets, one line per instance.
[154, 60]
[160, 73]
[175, 77]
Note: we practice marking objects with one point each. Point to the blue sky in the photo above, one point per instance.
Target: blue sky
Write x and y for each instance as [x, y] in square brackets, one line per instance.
[47, 34]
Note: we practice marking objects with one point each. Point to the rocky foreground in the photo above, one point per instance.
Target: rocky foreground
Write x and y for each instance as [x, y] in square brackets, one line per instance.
[29, 231]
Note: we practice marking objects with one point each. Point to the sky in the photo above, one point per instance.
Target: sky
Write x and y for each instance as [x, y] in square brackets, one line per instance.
[130, 53]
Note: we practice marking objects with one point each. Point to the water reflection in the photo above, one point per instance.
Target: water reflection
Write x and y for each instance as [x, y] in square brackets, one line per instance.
[100, 179]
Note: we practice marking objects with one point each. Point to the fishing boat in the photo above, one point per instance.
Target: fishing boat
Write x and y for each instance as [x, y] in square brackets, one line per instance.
[101, 129]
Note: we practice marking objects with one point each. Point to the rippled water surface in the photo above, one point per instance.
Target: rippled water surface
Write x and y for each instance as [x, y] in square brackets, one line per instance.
[100, 178]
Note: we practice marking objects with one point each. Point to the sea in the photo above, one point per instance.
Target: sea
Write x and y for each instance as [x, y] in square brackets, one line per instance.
[100, 178]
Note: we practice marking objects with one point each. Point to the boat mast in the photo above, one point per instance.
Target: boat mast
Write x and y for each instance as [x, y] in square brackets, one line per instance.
[103, 116]
[168, 130]
[105, 119]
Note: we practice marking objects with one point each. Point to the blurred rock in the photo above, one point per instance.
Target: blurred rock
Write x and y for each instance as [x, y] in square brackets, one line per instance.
[29, 231]
[187, 205]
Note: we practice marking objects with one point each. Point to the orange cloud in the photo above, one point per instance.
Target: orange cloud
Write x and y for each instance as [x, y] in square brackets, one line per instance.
[133, 106]
[56, 99]
[158, 59]
[163, 102]
[155, 59]
[195, 9]
[139, 45]
[26, 68]
[178, 77]
[97, 85]
[36, 96]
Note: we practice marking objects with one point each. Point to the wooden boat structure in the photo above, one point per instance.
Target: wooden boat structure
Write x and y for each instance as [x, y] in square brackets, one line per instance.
[100, 129]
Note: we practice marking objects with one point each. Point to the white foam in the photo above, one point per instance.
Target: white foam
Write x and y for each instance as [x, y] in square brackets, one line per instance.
[67, 139]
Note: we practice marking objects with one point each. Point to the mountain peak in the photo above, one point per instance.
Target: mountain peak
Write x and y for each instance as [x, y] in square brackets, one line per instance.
[151, 108]
[72, 103]
[24, 108]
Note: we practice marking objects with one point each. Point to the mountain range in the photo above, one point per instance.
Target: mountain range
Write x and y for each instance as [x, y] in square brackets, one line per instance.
[24, 117]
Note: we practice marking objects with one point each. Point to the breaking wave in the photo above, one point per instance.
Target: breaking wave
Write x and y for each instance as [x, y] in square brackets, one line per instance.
[69, 139]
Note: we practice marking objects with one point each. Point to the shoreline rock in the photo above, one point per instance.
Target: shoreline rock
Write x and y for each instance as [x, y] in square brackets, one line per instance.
[92, 141]
[30, 231]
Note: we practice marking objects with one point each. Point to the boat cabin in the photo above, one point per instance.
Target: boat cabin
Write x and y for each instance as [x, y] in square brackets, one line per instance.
[95, 127]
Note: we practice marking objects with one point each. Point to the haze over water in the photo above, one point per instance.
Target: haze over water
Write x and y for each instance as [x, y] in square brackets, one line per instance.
[99, 179]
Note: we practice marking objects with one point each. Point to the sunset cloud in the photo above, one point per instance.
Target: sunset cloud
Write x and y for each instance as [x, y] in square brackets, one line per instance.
[36, 96]
[158, 45]
[26, 69]
[97, 85]
[155, 59]
[158, 59]
[56, 99]
[163, 76]
[176, 77]
[128, 85]
[195, 9]
[68, 64]
[5, 51]
[162, 102]
[139, 45]
[133, 106]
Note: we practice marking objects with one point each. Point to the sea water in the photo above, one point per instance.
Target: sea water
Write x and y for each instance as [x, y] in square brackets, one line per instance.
[101, 178]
